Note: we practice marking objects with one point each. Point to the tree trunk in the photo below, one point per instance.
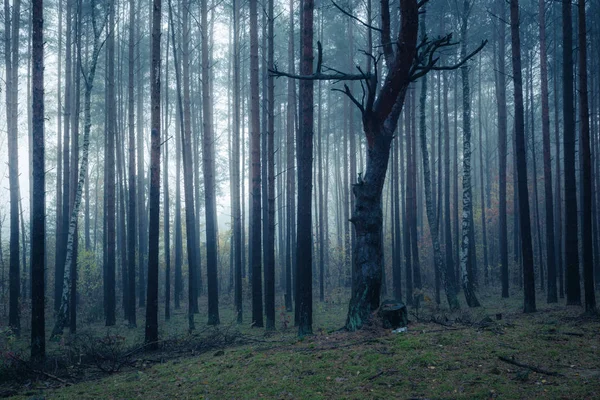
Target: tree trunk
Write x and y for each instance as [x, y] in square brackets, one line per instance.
[367, 219]
[270, 239]
[235, 177]
[571, 229]
[89, 76]
[255, 242]
[290, 179]
[131, 216]
[550, 243]
[406, 204]
[109, 179]
[141, 185]
[38, 211]
[305, 159]
[450, 279]
[467, 200]
[521, 155]
[481, 182]
[208, 158]
[586, 167]
[167, 194]
[12, 58]
[431, 218]
[151, 333]
[75, 169]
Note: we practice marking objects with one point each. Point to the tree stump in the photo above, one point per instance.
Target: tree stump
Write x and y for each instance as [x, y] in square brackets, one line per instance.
[393, 314]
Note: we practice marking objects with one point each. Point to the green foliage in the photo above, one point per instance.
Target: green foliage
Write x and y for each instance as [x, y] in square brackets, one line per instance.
[89, 284]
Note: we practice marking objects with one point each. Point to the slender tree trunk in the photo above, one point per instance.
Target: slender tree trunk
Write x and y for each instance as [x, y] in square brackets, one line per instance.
[59, 182]
[131, 216]
[38, 227]
[521, 155]
[208, 157]
[190, 219]
[481, 183]
[450, 279]
[109, 179]
[151, 333]
[75, 169]
[291, 184]
[12, 57]
[167, 194]
[270, 240]
[406, 185]
[305, 158]
[586, 167]
[141, 185]
[257, 309]
[558, 195]
[467, 201]
[431, 218]
[571, 229]
[66, 212]
[89, 76]
[235, 177]
[550, 242]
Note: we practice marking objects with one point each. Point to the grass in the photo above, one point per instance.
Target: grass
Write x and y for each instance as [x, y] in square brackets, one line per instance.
[429, 361]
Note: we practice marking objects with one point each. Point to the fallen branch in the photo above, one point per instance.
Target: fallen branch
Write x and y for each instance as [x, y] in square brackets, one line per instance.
[377, 375]
[530, 367]
[39, 372]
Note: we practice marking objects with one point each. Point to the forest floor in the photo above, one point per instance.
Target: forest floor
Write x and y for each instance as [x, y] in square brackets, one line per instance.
[471, 354]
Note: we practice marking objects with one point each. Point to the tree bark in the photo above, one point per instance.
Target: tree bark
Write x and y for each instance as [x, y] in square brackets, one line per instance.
[255, 239]
[550, 241]
[573, 288]
[270, 240]
[235, 176]
[305, 158]
[109, 179]
[151, 332]
[12, 59]
[431, 218]
[467, 200]
[38, 227]
[208, 158]
[521, 155]
[586, 167]
[89, 76]
[131, 216]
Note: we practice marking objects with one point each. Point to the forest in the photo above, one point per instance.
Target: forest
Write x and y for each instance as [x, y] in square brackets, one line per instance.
[300, 199]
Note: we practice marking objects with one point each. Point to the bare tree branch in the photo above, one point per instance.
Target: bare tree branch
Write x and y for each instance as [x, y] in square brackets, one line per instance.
[355, 17]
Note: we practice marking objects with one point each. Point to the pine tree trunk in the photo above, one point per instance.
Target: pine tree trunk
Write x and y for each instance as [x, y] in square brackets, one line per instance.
[235, 177]
[255, 224]
[109, 179]
[270, 239]
[550, 242]
[12, 56]
[151, 332]
[208, 158]
[521, 156]
[573, 288]
[131, 216]
[305, 159]
[290, 179]
[38, 211]
[66, 211]
[450, 279]
[586, 167]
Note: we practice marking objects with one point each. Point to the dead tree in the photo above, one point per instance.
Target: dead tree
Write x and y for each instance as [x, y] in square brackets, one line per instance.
[406, 60]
